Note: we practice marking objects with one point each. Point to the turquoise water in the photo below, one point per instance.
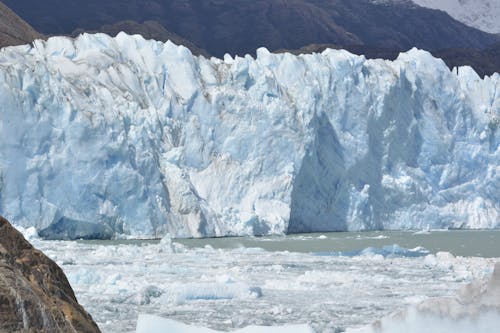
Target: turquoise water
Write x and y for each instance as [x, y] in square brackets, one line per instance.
[477, 243]
[467, 243]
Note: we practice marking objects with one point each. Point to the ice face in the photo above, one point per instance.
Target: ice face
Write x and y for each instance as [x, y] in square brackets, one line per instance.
[141, 138]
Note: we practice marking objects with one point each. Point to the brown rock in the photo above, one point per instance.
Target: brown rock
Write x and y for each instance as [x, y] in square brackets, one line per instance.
[13, 30]
[35, 295]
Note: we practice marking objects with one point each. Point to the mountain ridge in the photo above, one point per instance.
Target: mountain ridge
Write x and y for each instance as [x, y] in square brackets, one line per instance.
[14, 30]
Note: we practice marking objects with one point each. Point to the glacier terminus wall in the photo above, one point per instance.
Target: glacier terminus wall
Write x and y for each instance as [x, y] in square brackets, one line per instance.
[109, 136]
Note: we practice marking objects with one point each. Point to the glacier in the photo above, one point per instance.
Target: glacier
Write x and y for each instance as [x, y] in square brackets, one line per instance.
[124, 136]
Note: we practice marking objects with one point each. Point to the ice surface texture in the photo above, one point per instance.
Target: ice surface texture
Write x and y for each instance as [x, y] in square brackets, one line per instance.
[143, 138]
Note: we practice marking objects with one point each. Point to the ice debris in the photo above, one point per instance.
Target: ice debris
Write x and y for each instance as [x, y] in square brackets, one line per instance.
[155, 324]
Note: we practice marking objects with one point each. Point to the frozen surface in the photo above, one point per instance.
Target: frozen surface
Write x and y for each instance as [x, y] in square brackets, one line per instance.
[476, 308]
[480, 14]
[228, 289]
[388, 251]
[154, 324]
[104, 136]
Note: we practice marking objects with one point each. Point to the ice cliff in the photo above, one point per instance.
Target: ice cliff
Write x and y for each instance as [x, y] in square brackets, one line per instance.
[141, 138]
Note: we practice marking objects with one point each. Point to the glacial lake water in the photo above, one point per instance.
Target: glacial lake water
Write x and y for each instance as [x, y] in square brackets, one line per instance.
[331, 281]
[476, 243]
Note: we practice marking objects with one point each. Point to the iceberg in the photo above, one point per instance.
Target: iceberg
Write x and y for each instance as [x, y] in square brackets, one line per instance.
[111, 136]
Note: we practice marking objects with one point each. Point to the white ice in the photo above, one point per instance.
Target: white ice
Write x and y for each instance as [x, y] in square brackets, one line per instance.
[155, 324]
[476, 308]
[121, 135]
[234, 288]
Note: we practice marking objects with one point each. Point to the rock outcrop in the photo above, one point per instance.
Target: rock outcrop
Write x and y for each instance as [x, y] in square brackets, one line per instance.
[13, 30]
[35, 295]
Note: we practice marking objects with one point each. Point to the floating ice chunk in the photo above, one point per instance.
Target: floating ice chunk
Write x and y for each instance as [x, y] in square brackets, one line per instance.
[389, 251]
[166, 244]
[394, 251]
[155, 324]
[379, 237]
[84, 276]
[180, 294]
[443, 260]
[146, 295]
[414, 321]
[476, 308]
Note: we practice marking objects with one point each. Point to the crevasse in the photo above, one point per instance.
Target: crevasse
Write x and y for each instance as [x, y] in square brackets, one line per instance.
[142, 138]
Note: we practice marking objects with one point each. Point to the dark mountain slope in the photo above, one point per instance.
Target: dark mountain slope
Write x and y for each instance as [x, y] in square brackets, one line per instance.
[13, 30]
[241, 26]
[484, 62]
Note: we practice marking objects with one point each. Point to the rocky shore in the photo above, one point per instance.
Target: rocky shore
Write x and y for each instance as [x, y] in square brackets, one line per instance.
[35, 295]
